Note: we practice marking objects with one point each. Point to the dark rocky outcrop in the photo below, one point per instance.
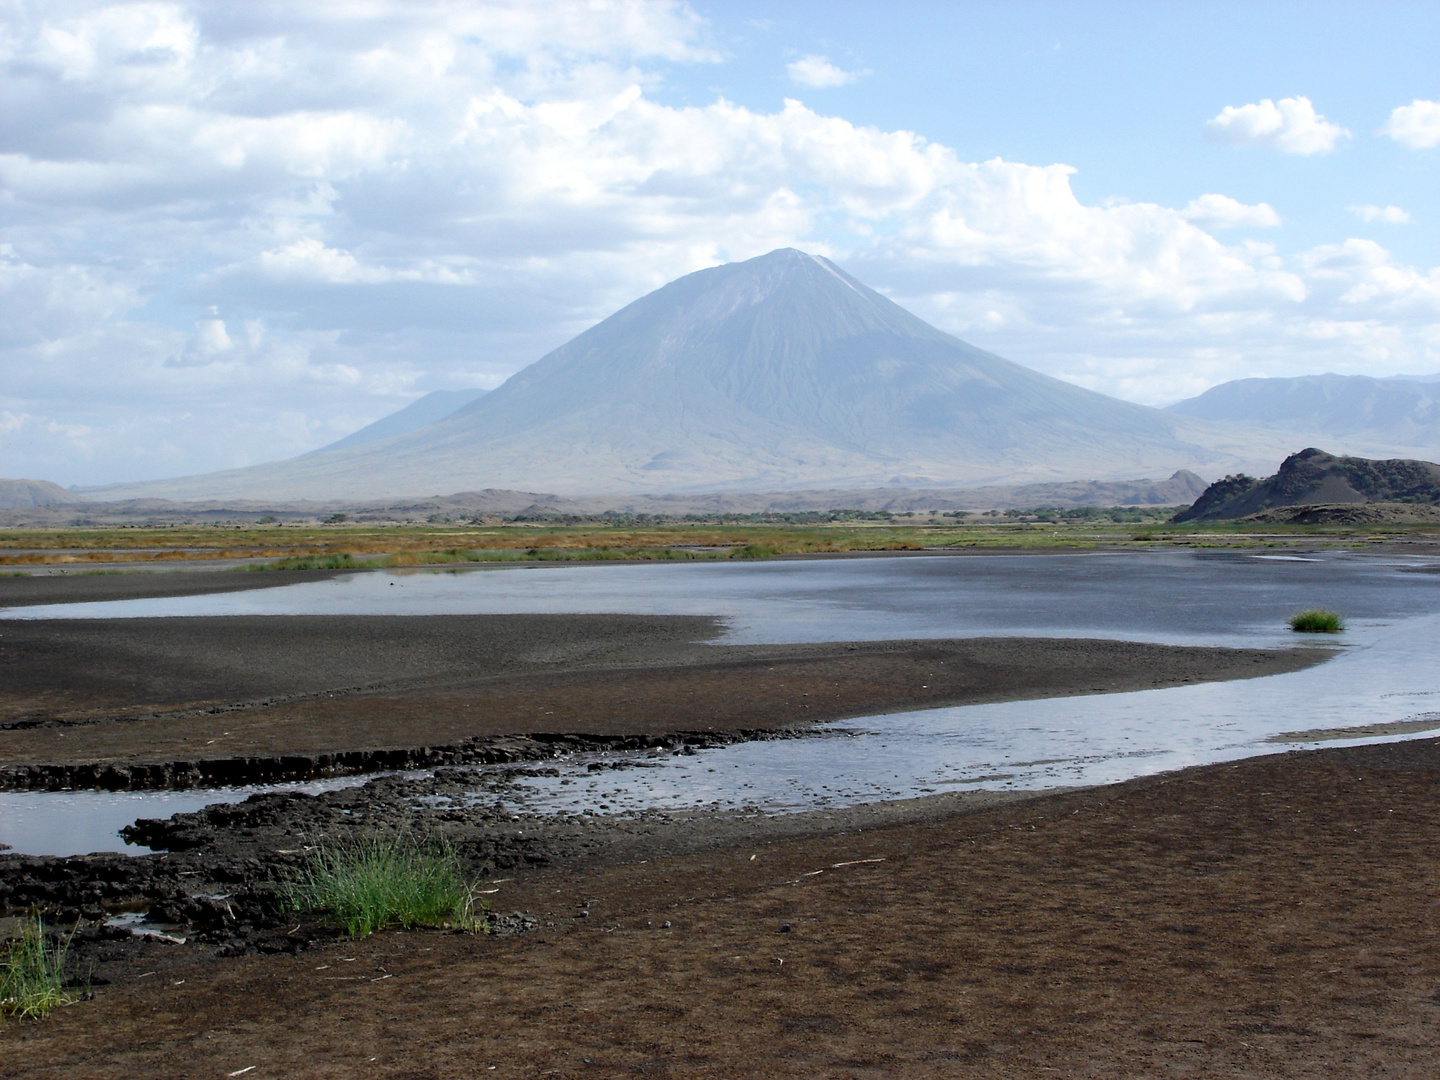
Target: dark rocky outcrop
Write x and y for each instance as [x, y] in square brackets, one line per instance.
[1314, 478]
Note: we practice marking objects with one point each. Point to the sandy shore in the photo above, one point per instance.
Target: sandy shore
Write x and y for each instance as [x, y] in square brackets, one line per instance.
[1268, 918]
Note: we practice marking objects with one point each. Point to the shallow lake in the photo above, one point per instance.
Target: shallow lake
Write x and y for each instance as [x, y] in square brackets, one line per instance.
[1387, 673]
[1183, 597]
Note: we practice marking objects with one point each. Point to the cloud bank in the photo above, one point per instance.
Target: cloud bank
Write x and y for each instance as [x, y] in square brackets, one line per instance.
[236, 232]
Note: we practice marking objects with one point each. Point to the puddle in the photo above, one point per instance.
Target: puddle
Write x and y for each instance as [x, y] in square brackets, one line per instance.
[137, 924]
[83, 822]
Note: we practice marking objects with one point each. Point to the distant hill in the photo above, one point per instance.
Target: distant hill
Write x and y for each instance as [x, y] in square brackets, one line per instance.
[15, 494]
[434, 406]
[1356, 409]
[780, 373]
[1179, 489]
[1313, 477]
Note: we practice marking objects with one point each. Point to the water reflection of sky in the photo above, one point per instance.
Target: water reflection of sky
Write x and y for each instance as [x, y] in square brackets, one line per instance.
[1388, 675]
[1174, 596]
[80, 822]
[1387, 672]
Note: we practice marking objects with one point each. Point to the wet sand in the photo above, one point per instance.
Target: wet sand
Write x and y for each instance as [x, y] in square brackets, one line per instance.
[90, 586]
[237, 694]
[1267, 918]
[260, 688]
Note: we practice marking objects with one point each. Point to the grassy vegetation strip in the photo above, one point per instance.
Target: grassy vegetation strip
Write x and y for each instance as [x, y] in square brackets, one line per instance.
[32, 972]
[454, 555]
[375, 882]
[355, 545]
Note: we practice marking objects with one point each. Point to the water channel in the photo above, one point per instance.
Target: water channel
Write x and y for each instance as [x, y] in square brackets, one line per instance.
[1384, 685]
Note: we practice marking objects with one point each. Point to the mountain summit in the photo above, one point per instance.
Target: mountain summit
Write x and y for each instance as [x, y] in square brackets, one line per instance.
[781, 372]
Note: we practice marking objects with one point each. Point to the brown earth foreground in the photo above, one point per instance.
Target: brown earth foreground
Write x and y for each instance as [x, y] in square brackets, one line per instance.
[1271, 918]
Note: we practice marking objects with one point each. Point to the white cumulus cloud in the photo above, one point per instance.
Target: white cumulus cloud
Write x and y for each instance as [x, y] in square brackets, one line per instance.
[1416, 126]
[819, 73]
[1222, 212]
[1290, 125]
[1389, 215]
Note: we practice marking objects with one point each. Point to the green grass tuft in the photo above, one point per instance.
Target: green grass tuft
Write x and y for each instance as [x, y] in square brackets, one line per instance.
[755, 551]
[376, 882]
[32, 973]
[1316, 621]
[315, 562]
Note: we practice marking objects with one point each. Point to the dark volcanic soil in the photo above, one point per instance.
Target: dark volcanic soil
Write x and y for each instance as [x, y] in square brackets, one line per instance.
[147, 702]
[1274, 917]
[231, 697]
[82, 587]
[1268, 918]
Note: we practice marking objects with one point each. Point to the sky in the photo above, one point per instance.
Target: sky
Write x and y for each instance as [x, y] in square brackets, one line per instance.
[235, 232]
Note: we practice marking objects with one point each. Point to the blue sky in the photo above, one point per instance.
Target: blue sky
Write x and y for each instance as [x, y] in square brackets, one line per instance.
[1118, 90]
[232, 233]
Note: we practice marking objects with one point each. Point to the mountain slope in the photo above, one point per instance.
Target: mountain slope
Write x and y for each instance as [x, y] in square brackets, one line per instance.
[782, 372]
[22, 493]
[1391, 412]
[434, 406]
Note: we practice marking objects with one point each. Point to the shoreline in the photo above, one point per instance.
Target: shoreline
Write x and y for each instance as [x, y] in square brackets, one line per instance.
[25, 585]
[144, 703]
[159, 702]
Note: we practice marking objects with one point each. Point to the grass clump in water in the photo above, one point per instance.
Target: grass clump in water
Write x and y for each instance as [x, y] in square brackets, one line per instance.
[376, 882]
[32, 972]
[1316, 621]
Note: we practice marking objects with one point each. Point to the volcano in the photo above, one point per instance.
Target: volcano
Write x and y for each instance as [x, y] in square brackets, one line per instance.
[779, 373]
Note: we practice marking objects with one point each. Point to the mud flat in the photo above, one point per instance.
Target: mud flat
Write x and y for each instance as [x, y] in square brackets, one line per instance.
[180, 702]
[176, 702]
[1267, 917]
[147, 702]
[78, 586]
[1270, 917]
